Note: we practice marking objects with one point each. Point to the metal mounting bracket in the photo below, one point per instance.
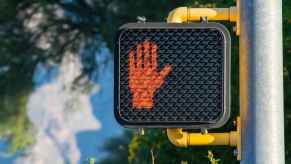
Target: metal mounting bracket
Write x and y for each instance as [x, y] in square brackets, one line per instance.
[180, 138]
[177, 136]
[186, 14]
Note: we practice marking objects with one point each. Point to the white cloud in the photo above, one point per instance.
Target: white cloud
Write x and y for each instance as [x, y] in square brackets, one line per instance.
[58, 114]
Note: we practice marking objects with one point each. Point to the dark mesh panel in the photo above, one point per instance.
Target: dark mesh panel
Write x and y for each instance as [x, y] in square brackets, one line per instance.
[193, 90]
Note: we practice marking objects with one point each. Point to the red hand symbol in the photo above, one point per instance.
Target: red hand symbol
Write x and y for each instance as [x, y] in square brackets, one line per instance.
[144, 79]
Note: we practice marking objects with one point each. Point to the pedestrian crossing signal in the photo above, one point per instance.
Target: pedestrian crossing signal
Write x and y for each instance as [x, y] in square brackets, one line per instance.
[172, 75]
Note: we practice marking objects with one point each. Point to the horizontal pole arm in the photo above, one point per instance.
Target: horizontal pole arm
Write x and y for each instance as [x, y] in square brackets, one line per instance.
[184, 14]
[180, 138]
[185, 139]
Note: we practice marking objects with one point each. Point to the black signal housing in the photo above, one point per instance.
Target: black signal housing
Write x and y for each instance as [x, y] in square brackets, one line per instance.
[195, 94]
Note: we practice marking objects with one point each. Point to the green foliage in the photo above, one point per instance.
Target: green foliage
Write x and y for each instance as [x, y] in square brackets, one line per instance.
[17, 65]
[154, 147]
[118, 148]
[133, 148]
[211, 158]
[8, 10]
[22, 135]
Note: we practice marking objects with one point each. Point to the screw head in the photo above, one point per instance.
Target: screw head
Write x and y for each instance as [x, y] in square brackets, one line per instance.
[141, 19]
[234, 123]
[234, 29]
[141, 131]
[235, 152]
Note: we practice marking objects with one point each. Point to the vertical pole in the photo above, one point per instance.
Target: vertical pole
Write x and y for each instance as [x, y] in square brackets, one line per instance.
[261, 82]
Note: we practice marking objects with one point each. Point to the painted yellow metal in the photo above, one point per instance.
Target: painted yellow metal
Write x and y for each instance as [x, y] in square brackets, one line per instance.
[238, 141]
[186, 14]
[180, 138]
[184, 139]
[177, 136]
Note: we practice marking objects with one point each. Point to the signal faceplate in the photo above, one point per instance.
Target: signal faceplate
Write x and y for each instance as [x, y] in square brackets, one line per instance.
[172, 75]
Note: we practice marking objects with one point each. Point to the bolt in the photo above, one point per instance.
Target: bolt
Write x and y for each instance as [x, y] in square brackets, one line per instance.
[235, 152]
[141, 131]
[234, 123]
[234, 29]
[204, 131]
[141, 19]
[204, 19]
[164, 131]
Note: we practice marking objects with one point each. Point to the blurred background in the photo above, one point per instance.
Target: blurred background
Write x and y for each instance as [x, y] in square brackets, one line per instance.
[56, 79]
